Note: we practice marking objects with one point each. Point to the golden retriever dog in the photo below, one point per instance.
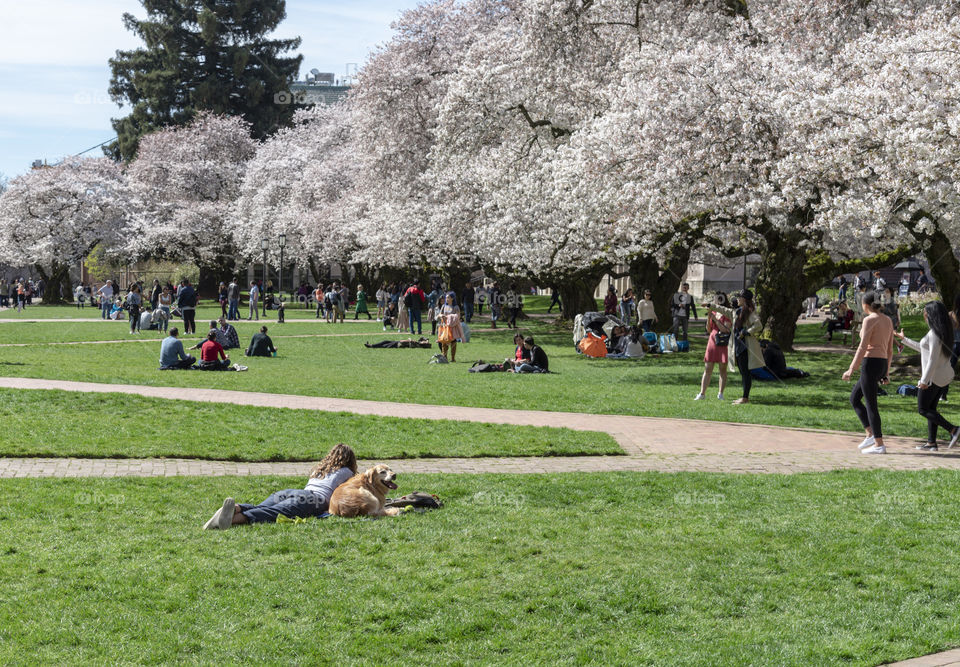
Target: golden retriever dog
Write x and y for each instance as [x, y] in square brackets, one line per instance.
[364, 494]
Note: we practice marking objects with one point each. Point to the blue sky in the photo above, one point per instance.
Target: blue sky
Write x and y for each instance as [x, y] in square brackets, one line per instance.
[54, 72]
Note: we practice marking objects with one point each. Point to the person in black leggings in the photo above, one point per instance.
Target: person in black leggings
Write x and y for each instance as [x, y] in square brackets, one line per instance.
[873, 355]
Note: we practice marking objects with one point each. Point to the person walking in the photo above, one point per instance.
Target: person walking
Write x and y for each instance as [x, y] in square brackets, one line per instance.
[955, 354]
[936, 349]
[718, 341]
[842, 293]
[361, 304]
[681, 304]
[743, 348]
[873, 356]
[223, 298]
[233, 299]
[155, 294]
[554, 299]
[646, 311]
[254, 297]
[496, 304]
[513, 306]
[467, 298]
[187, 303]
[106, 299]
[133, 303]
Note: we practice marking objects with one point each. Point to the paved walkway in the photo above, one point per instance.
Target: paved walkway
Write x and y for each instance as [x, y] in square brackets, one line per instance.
[649, 443]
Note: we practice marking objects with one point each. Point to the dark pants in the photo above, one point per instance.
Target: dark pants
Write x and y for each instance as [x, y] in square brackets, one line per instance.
[679, 323]
[181, 365]
[189, 323]
[291, 503]
[134, 315]
[647, 325]
[927, 400]
[512, 323]
[953, 362]
[555, 301]
[871, 372]
[415, 317]
[746, 379]
[467, 310]
[842, 294]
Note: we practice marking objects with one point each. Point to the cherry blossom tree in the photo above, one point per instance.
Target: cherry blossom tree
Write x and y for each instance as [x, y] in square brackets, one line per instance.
[52, 217]
[182, 186]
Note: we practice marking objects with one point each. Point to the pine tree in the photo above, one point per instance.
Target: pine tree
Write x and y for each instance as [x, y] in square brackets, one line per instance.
[203, 55]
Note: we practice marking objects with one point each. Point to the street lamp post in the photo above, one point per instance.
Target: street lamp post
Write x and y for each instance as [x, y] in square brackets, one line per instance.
[264, 244]
[281, 241]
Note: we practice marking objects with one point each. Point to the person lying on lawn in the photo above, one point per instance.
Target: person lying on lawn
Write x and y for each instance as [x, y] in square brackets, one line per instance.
[339, 465]
[406, 342]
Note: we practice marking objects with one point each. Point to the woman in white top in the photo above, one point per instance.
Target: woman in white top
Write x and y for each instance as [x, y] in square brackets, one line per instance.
[936, 371]
[646, 313]
[339, 465]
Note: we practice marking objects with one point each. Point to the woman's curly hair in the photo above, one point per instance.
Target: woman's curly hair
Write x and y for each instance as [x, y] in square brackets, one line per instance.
[340, 456]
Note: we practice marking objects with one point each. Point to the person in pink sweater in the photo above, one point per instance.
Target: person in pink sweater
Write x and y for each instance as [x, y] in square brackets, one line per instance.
[873, 356]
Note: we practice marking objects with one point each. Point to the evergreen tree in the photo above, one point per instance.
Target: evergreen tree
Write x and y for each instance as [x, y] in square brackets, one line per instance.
[203, 55]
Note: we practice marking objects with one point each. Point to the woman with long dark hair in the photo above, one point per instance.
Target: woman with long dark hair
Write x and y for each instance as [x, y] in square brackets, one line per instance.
[743, 346]
[936, 371]
[339, 465]
[873, 357]
[955, 321]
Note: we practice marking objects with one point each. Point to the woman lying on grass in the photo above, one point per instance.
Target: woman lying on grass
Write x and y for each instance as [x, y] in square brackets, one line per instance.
[313, 500]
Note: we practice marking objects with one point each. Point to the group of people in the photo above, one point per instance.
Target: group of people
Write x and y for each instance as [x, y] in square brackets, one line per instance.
[221, 337]
[643, 311]
[19, 293]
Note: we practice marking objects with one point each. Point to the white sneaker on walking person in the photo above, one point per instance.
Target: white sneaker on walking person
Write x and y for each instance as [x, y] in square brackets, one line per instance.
[720, 396]
[876, 449]
[954, 437]
[698, 397]
[869, 441]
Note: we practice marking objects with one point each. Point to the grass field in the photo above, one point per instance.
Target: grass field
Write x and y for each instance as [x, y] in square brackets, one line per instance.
[341, 367]
[845, 568]
[60, 423]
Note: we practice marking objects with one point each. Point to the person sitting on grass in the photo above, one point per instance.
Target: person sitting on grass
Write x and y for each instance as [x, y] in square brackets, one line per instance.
[172, 356]
[520, 353]
[261, 345]
[538, 359]
[228, 336]
[212, 356]
[630, 346]
[843, 320]
[339, 465]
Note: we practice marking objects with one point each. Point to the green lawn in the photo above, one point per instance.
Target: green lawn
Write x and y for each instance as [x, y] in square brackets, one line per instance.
[60, 424]
[842, 568]
[342, 367]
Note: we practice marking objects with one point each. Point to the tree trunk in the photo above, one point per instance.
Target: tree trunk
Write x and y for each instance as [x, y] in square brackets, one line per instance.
[781, 284]
[646, 273]
[944, 266]
[576, 294]
[220, 269]
[57, 280]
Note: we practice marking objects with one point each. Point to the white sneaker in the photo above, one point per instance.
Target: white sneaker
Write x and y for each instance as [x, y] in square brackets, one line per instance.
[698, 397]
[954, 437]
[869, 441]
[225, 520]
[720, 396]
[214, 522]
[876, 449]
